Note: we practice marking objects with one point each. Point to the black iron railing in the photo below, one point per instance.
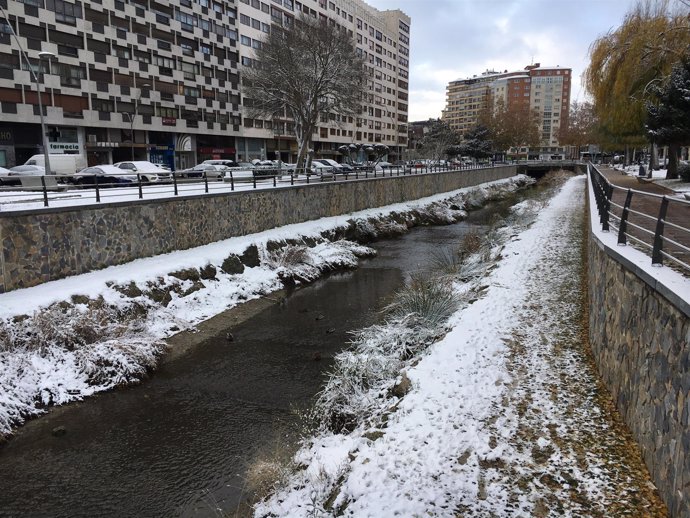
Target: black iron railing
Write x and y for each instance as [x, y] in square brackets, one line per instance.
[656, 224]
[31, 192]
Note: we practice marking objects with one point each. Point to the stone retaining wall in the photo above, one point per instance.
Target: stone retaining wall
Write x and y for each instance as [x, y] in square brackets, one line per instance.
[49, 244]
[640, 337]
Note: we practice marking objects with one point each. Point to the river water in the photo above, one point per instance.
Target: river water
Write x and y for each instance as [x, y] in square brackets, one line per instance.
[179, 443]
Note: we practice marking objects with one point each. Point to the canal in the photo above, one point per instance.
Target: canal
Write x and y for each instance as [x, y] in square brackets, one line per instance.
[179, 443]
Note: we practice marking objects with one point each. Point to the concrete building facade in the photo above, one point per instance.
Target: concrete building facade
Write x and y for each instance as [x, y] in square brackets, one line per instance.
[540, 88]
[161, 80]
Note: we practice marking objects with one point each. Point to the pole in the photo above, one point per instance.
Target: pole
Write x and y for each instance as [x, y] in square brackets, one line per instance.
[131, 131]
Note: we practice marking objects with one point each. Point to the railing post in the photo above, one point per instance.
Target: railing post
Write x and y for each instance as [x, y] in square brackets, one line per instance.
[232, 182]
[141, 193]
[45, 191]
[206, 181]
[292, 178]
[622, 239]
[608, 193]
[98, 190]
[174, 182]
[657, 257]
[274, 180]
[254, 179]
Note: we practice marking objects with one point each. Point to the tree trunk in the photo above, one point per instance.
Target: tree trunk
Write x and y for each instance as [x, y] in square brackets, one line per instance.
[672, 171]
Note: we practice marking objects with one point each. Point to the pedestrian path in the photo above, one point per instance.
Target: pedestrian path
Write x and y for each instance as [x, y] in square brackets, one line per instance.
[678, 212]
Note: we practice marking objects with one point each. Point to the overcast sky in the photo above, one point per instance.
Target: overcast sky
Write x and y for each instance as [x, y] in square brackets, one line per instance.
[455, 39]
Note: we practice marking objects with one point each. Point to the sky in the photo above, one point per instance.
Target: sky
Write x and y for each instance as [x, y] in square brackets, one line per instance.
[456, 39]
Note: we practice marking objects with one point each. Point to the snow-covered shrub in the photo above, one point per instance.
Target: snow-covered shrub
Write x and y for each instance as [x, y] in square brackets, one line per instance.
[684, 171]
[428, 301]
[116, 362]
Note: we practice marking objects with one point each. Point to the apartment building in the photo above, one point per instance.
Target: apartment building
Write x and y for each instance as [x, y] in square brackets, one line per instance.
[545, 89]
[161, 81]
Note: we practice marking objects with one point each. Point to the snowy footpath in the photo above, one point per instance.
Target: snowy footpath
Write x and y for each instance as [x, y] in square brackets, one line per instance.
[505, 416]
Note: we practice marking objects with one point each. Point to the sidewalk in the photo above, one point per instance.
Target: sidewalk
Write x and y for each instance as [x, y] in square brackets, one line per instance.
[678, 213]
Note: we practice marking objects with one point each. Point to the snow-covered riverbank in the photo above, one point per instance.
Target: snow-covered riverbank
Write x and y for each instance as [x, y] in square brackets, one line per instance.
[503, 416]
[65, 340]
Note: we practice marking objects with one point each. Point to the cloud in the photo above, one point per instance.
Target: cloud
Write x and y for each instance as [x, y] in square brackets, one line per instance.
[453, 39]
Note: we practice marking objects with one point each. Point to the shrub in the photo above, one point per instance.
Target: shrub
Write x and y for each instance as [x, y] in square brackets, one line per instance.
[684, 171]
[430, 300]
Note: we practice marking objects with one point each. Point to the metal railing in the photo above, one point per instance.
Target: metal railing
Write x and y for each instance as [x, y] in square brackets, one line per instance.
[656, 224]
[32, 192]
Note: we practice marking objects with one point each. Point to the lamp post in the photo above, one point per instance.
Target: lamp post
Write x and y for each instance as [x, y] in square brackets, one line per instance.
[132, 117]
[44, 134]
[278, 131]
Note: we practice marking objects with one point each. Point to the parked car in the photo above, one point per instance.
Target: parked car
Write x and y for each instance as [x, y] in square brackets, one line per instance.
[243, 171]
[337, 167]
[320, 169]
[107, 176]
[212, 171]
[147, 171]
[6, 177]
[222, 161]
[27, 170]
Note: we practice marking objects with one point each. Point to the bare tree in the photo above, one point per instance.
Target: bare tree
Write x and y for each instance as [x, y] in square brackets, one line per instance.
[579, 129]
[304, 70]
[511, 127]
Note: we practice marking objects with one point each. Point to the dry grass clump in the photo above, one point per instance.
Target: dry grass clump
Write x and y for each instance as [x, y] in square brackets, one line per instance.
[71, 327]
[287, 257]
[429, 301]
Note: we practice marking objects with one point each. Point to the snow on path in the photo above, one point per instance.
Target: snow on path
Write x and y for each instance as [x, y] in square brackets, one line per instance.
[503, 418]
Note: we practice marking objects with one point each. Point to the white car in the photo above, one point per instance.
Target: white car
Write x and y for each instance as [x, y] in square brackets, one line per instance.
[213, 171]
[320, 169]
[243, 171]
[147, 171]
[6, 177]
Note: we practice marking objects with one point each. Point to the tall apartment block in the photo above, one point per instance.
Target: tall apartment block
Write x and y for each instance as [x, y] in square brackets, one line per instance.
[159, 80]
[544, 89]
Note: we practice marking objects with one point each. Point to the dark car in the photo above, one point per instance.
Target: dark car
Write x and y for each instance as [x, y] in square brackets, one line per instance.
[106, 176]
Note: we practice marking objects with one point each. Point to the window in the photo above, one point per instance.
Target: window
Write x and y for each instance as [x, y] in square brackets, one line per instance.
[245, 20]
[64, 11]
[189, 70]
[187, 49]
[246, 41]
[162, 61]
[188, 21]
[122, 52]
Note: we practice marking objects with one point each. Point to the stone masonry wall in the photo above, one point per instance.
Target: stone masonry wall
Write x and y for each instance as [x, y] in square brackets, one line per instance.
[40, 246]
[640, 337]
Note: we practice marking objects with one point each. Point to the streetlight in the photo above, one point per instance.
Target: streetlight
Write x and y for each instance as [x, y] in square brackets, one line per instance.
[278, 131]
[41, 56]
[48, 56]
[133, 116]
